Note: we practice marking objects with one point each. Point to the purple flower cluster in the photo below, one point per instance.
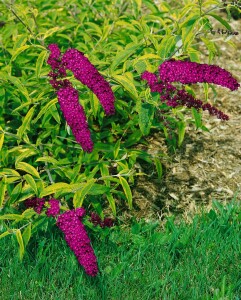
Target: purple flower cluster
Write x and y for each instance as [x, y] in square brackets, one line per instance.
[69, 100]
[173, 97]
[192, 72]
[87, 74]
[36, 203]
[54, 208]
[96, 220]
[75, 116]
[77, 239]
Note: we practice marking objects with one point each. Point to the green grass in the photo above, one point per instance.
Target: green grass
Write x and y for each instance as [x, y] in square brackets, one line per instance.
[196, 261]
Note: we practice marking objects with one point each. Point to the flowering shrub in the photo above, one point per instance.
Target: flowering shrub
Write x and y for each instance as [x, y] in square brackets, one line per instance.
[98, 54]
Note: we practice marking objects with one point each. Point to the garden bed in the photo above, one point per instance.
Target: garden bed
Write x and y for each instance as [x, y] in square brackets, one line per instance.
[207, 165]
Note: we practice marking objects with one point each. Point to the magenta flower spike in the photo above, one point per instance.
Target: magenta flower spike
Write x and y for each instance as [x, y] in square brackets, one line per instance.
[77, 239]
[173, 97]
[54, 57]
[191, 72]
[88, 75]
[75, 116]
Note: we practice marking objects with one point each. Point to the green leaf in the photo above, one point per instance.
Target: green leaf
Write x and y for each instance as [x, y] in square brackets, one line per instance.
[94, 102]
[31, 182]
[194, 55]
[51, 31]
[149, 56]
[27, 192]
[127, 191]
[27, 168]
[44, 109]
[140, 66]
[54, 112]
[152, 6]
[138, 4]
[1, 138]
[104, 170]
[197, 118]
[3, 187]
[5, 234]
[80, 194]
[18, 51]
[27, 234]
[167, 46]
[20, 243]
[20, 41]
[97, 207]
[211, 48]
[14, 217]
[16, 192]
[188, 32]
[146, 112]
[205, 86]
[54, 188]
[40, 62]
[116, 149]
[9, 172]
[98, 189]
[21, 88]
[26, 153]
[122, 56]
[133, 138]
[128, 85]
[28, 213]
[158, 167]
[111, 203]
[48, 159]
[181, 132]
[26, 122]
[221, 20]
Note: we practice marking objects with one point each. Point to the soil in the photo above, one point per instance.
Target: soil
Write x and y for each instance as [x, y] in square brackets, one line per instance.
[208, 164]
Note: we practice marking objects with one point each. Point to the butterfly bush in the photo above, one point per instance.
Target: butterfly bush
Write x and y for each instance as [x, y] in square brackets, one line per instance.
[188, 72]
[77, 239]
[87, 74]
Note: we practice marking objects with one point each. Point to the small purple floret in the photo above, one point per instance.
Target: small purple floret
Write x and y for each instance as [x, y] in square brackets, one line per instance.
[54, 208]
[36, 203]
[96, 220]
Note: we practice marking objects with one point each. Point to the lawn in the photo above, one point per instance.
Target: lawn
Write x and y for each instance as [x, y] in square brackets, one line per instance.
[200, 260]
